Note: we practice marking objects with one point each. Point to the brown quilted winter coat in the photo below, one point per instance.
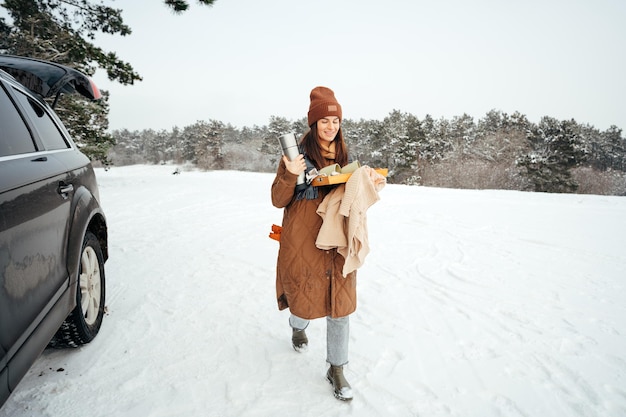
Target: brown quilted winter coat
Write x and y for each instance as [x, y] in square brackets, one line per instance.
[309, 280]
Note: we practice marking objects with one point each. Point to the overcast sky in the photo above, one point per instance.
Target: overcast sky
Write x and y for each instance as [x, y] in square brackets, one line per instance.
[242, 61]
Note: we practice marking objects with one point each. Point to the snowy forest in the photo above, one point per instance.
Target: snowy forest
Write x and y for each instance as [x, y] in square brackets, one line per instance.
[498, 151]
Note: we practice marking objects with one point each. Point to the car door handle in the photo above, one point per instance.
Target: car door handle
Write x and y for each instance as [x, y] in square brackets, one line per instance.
[65, 189]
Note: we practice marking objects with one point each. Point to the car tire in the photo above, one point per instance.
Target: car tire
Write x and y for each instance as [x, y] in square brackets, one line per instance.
[83, 323]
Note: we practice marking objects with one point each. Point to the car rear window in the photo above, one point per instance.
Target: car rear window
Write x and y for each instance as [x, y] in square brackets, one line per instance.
[15, 138]
[49, 133]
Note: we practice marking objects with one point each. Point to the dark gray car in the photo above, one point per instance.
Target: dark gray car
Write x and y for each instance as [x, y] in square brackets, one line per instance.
[53, 233]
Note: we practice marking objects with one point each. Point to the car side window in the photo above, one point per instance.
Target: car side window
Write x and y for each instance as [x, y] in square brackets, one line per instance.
[15, 138]
[49, 133]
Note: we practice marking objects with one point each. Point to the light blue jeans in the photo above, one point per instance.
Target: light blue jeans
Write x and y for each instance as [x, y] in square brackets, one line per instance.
[337, 336]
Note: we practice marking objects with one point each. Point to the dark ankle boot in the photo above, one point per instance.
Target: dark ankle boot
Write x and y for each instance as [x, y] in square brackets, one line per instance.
[299, 340]
[342, 390]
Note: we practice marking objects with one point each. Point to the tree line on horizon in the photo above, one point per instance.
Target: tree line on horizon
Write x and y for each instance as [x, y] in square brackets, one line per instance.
[497, 151]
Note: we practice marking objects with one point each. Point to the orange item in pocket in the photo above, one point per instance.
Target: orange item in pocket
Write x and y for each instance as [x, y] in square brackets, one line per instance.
[275, 233]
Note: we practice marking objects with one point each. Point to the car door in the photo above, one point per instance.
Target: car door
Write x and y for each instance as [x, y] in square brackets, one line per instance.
[4, 371]
[35, 211]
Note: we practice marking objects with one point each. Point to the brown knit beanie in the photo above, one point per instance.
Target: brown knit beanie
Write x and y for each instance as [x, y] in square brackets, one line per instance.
[323, 103]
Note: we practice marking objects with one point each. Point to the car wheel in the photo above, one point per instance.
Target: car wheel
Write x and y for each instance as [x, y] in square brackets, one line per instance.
[83, 323]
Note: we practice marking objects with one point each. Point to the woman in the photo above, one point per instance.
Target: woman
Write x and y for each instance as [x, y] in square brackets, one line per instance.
[309, 280]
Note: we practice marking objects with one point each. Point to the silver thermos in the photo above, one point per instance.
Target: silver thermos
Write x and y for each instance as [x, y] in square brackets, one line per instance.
[290, 149]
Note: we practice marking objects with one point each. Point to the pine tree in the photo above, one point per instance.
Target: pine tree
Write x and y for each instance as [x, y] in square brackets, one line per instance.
[63, 31]
[557, 148]
[209, 144]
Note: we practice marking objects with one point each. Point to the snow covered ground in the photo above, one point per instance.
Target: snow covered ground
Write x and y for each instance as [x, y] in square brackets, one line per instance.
[471, 304]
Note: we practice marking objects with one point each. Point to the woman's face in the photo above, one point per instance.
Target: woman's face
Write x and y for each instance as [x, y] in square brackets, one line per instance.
[327, 128]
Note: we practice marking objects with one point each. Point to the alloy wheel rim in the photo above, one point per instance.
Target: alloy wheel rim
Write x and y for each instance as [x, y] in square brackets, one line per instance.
[90, 290]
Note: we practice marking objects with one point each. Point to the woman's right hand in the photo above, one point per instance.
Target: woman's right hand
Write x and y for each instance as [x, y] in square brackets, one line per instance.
[297, 166]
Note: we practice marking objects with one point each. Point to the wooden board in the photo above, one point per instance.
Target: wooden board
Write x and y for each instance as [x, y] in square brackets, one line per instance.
[340, 179]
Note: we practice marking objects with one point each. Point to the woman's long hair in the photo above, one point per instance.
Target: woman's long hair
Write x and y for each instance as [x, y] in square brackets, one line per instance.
[311, 147]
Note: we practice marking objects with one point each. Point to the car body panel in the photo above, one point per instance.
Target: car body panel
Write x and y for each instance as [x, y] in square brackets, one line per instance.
[48, 200]
[33, 250]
